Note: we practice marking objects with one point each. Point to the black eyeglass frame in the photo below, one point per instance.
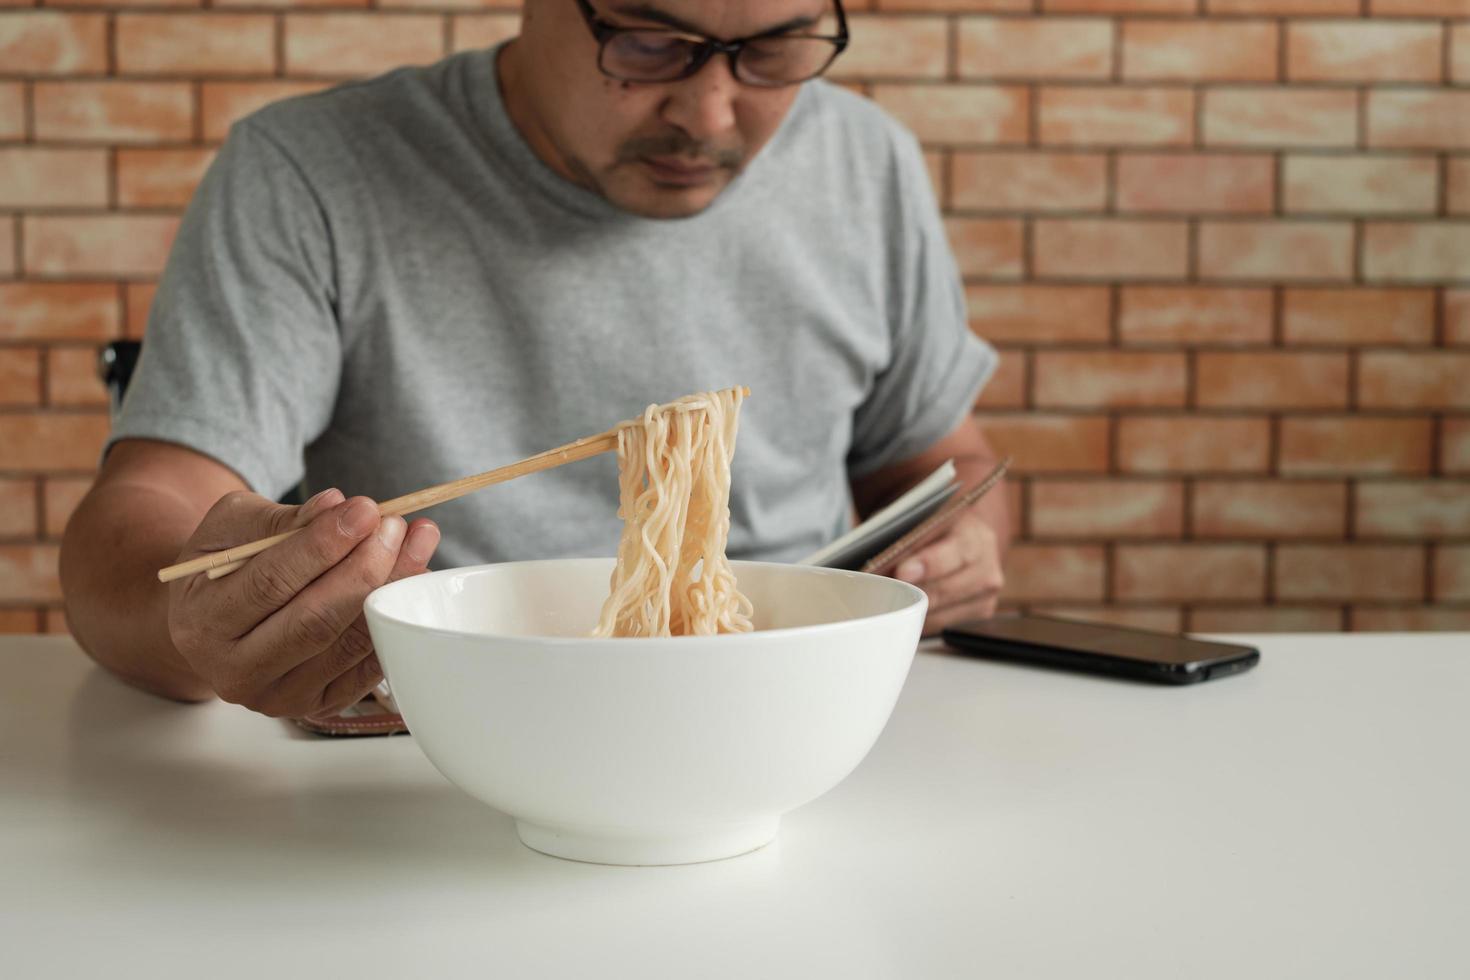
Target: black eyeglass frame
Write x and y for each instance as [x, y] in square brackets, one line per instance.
[706, 47]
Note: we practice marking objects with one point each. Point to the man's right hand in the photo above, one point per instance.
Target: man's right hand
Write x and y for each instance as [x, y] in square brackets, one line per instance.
[285, 635]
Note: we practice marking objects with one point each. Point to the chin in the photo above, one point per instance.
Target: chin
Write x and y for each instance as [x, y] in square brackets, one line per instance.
[650, 200]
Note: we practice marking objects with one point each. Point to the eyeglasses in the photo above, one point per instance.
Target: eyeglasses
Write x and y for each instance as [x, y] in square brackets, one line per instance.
[771, 60]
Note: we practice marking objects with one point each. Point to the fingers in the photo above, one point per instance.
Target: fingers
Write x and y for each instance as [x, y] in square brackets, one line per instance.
[273, 578]
[357, 681]
[961, 573]
[314, 620]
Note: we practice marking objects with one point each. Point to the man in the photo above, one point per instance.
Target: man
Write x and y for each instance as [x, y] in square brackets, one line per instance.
[407, 279]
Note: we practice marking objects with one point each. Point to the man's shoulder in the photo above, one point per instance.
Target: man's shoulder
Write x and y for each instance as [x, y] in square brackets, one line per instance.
[389, 100]
[853, 118]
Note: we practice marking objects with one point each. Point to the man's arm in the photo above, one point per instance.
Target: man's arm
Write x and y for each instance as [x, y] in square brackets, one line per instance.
[284, 635]
[147, 501]
[961, 570]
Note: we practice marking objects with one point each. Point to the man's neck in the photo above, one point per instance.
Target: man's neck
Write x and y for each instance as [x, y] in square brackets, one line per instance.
[515, 93]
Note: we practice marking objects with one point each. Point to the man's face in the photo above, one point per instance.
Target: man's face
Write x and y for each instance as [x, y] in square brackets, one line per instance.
[661, 150]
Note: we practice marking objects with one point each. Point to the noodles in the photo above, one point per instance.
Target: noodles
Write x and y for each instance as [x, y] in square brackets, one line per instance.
[672, 577]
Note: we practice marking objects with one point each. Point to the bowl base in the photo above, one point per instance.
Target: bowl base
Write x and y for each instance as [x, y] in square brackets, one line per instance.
[593, 848]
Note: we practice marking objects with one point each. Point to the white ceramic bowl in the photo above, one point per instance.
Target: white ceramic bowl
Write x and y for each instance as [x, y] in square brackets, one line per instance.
[643, 751]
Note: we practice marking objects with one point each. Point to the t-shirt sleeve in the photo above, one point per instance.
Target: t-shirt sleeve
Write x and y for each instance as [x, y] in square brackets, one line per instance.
[938, 365]
[241, 358]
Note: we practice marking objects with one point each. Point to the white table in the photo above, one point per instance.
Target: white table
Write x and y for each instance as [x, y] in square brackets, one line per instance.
[1307, 819]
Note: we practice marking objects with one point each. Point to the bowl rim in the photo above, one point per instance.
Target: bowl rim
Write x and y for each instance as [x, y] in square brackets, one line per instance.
[372, 607]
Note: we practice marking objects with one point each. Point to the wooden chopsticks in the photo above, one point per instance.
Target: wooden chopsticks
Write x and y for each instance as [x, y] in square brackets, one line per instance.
[220, 563]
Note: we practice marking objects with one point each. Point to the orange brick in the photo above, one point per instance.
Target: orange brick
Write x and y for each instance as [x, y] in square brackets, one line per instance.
[209, 44]
[1041, 572]
[7, 246]
[1278, 117]
[1118, 6]
[124, 3]
[1417, 509]
[1419, 8]
[1160, 619]
[12, 111]
[160, 178]
[1106, 508]
[350, 45]
[1195, 183]
[17, 621]
[1452, 572]
[1457, 189]
[1358, 316]
[1042, 443]
[1095, 379]
[1457, 316]
[1269, 509]
[1186, 314]
[46, 42]
[1193, 444]
[28, 573]
[17, 508]
[1363, 51]
[954, 6]
[139, 298]
[1208, 572]
[959, 113]
[1454, 447]
[1414, 379]
[1416, 251]
[1267, 619]
[1460, 53]
[1271, 380]
[1410, 619]
[71, 377]
[53, 621]
[1035, 47]
[1355, 445]
[58, 311]
[293, 3]
[46, 441]
[55, 178]
[471, 31]
[20, 376]
[222, 104]
[985, 247]
[98, 244]
[1014, 181]
[1361, 184]
[891, 47]
[1007, 386]
[1275, 250]
[476, 4]
[1311, 571]
[1083, 115]
[1302, 8]
[1039, 314]
[1419, 118]
[114, 112]
[60, 497]
[1097, 248]
[1198, 50]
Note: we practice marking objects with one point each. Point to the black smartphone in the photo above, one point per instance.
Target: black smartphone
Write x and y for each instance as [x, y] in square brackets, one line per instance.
[1099, 648]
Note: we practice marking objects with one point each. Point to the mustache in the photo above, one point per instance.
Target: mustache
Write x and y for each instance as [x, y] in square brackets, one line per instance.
[678, 145]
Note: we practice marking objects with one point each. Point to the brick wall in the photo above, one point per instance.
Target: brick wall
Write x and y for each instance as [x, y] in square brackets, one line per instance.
[1223, 244]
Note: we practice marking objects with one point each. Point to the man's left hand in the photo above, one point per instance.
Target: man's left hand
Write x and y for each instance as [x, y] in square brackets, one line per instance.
[961, 572]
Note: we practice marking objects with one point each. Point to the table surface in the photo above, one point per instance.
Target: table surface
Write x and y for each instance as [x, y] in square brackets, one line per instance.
[1307, 819]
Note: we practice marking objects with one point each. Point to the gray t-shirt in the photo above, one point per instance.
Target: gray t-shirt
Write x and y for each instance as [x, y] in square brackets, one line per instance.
[380, 287]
